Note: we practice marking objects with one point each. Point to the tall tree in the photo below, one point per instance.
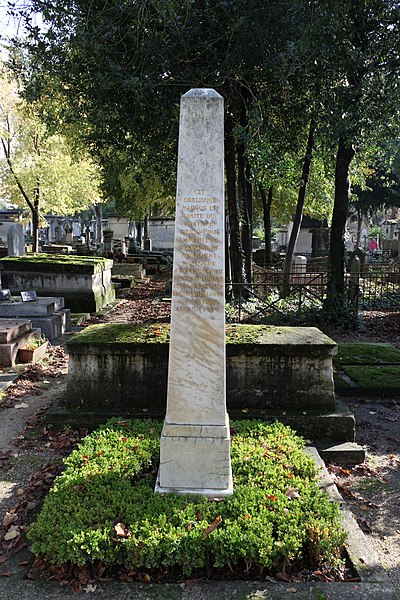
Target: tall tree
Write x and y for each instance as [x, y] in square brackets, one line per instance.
[37, 170]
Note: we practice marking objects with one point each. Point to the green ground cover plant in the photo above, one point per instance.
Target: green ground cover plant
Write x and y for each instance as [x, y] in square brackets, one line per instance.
[366, 353]
[368, 376]
[103, 507]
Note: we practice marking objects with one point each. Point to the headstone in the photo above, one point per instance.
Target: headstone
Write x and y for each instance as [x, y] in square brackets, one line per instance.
[15, 240]
[195, 441]
[355, 269]
[363, 256]
[147, 245]
[300, 264]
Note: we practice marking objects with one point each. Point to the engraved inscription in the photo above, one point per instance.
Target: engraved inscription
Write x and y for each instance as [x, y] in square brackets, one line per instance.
[200, 285]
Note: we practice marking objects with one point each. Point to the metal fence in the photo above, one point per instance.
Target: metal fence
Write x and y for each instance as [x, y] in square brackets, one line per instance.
[379, 288]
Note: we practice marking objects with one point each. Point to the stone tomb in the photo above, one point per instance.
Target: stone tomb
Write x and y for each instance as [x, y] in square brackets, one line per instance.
[14, 334]
[280, 373]
[84, 282]
[46, 313]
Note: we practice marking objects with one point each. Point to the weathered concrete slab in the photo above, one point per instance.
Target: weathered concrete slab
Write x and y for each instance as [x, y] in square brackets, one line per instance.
[290, 377]
[347, 454]
[9, 352]
[41, 307]
[55, 325]
[11, 329]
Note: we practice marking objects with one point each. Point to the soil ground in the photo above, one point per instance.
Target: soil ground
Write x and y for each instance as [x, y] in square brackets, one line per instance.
[30, 453]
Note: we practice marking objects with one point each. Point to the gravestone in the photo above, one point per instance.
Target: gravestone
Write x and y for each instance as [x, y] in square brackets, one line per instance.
[195, 441]
[300, 265]
[15, 240]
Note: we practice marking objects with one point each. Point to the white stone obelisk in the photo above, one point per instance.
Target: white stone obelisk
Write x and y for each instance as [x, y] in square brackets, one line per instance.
[195, 441]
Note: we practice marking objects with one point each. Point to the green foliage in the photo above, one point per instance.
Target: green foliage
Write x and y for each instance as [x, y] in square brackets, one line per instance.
[35, 343]
[39, 166]
[277, 512]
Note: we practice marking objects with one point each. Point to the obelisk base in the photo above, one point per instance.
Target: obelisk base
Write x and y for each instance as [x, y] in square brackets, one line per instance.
[195, 459]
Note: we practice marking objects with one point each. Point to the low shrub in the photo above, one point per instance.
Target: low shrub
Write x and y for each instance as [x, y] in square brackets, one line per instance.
[103, 506]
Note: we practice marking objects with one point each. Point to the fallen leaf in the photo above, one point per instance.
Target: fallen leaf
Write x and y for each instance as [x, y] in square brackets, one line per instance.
[6, 574]
[291, 590]
[21, 405]
[3, 558]
[9, 519]
[292, 493]
[11, 535]
[214, 525]
[364, 526]
[122, 531]
[271, 497]
[363, 507]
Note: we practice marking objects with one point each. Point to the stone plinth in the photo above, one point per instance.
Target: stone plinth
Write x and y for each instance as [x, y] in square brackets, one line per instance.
[42, 307]
[84, 282]
[14, 334]
[274, 368]
[280, 373]
[48, 314]
[195, 441]
[11, 329]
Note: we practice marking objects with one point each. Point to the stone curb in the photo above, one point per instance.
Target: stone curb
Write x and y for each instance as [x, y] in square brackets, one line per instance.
[360, 552]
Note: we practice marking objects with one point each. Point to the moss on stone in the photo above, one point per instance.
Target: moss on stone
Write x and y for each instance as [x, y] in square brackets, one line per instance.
[373, 377]
[366, 353]
[56, 263]
[118, 333]
[248, 334]
[159, 333]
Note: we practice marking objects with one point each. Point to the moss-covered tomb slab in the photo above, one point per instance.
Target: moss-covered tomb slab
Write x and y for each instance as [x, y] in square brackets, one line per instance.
[56, 263]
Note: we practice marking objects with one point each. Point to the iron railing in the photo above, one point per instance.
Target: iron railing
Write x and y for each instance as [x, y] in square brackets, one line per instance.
[377, 288]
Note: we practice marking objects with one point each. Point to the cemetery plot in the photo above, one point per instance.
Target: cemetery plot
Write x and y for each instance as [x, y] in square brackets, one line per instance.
[103, 508]
[373, 369]
[84, 282]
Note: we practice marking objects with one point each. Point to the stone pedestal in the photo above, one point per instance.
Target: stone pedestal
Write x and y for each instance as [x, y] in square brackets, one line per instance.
[195, 442]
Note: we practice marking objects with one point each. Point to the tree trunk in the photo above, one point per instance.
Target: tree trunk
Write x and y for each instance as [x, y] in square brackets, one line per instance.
[344, 157]
[245, 187]
[146, 228]
[230, 167]
[98, 213]
[266, 204]
[35, 219]
[285, 290]
[359, 227]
